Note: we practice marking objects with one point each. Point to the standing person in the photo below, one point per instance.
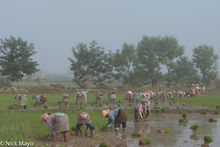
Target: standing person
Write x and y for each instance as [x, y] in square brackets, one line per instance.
[65, 100]
[192, 91]
[129, 97]
[116, 117]
[135, 97]
[197, 89]
[99, 98]
[22, 100]
[58, 123]
[203, 88]
[112, 97]
[83, 118]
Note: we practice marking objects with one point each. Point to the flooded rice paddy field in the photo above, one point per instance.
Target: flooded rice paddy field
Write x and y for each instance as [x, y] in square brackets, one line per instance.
[180, 134]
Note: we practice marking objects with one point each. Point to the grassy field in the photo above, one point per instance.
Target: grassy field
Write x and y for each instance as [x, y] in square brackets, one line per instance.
[202, 100]
[26, 126]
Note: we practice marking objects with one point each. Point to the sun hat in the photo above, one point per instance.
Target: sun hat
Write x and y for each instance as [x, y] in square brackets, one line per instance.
[105, 112]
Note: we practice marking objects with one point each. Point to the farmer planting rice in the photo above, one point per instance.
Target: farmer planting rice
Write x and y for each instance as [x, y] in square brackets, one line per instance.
[135, 97]
[22, 100]
[79, 98]
[65, 100]
[83, 118]
[139, 110]
[40, 99]
[129, 96]
[116, 116]
[112, 97]
[146, 106]
[99, 98]
[58, 123]
[197, 89]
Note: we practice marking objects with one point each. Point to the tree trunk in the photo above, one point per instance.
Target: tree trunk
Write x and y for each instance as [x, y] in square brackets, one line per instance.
[18, 83]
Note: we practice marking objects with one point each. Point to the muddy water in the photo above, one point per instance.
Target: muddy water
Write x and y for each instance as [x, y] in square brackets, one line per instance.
[180, 135]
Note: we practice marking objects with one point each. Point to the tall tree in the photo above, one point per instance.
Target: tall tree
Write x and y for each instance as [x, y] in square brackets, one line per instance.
[15, 58]
[185, 73]
[169, 51]
[147, 65]
[123, 62]
[205, 60]
[91, 65]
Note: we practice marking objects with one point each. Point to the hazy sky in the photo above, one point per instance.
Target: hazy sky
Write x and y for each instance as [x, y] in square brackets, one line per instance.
[55, 26]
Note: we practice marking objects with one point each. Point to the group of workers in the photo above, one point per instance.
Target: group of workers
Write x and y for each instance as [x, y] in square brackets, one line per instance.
[59, 122]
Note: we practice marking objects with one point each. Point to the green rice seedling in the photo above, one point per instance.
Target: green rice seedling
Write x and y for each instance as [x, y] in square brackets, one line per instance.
[135, 134]
[104, 144]
[195, 128]
[148, 141]
[166, 131]
[211, 120]
[216, 112]
[162, 110]
[158, 111]
[207, 139]
[184, 115]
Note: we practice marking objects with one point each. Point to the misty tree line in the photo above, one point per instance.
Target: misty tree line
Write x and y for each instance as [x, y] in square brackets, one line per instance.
[132, 65]
[142, 64]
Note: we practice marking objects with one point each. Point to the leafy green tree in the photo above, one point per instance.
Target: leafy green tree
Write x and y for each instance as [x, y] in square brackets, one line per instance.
[91, 65]
[206, 61]
[169, 51]
[185, 73]
[147, 64]
[123, 62]
[80, 66]
[15, 58]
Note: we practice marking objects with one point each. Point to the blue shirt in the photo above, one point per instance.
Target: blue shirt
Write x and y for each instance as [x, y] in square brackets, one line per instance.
[112, 116]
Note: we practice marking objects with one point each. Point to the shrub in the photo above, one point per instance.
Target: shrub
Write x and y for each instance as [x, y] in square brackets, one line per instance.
[207, 139]
[147, 141]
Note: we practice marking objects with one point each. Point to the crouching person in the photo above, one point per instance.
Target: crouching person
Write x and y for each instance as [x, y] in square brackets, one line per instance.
[116, 117]
[139, 110]
[58, 123]
[83, 118]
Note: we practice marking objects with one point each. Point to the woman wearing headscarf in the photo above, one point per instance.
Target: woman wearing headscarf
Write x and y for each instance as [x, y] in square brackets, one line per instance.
[83, 118]
[58, 123]
[116, 117]
[22, 100]
[140, 110]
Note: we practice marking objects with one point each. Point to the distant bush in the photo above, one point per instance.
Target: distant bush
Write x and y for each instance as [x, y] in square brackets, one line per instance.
[4, 82]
